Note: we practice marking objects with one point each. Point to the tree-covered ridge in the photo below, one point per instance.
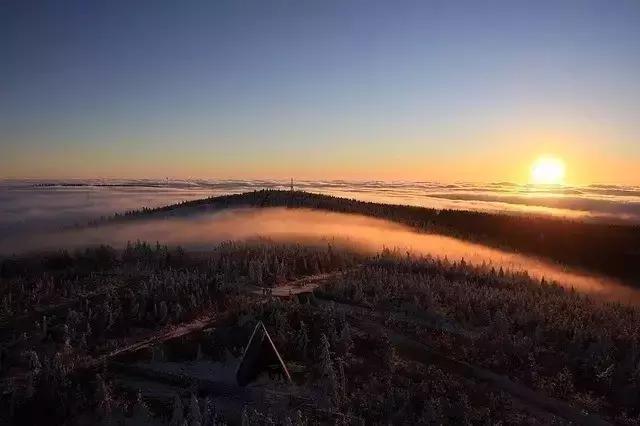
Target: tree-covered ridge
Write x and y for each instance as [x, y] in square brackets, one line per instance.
[612, 249]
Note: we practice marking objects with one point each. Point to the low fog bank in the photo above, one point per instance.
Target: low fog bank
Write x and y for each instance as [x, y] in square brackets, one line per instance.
[27, 206]
[363, 233]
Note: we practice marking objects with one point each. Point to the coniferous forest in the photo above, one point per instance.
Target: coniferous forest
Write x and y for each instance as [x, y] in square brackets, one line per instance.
[317, 212]
[151, 334]
[602, 247]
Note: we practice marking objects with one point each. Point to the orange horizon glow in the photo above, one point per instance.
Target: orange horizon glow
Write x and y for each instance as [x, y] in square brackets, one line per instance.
[503, 163]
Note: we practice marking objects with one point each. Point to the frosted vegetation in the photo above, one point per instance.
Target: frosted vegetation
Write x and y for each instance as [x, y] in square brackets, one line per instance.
[609, 249]
[65, 315]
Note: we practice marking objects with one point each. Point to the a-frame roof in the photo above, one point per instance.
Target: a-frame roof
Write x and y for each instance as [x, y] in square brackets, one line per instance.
[258, 354]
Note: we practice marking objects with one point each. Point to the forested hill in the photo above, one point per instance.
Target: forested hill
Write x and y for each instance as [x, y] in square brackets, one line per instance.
[612, 249]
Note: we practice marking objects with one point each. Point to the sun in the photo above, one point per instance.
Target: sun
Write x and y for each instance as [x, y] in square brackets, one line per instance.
[547, 170]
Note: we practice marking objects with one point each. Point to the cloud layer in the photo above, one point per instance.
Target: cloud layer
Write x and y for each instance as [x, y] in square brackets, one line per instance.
[29, 206]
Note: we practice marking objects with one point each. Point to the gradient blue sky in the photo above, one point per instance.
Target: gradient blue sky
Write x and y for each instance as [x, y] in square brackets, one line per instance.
[429, 90]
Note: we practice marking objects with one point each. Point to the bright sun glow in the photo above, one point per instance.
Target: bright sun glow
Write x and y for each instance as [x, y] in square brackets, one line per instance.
[547, 170]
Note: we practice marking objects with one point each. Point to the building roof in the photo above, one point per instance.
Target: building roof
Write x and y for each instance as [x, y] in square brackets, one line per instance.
[259, 354]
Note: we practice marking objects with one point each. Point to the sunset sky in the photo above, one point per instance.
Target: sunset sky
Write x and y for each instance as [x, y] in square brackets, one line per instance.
[394, 90]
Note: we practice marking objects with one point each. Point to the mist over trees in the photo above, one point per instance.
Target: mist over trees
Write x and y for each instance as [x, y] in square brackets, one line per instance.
[610, 249]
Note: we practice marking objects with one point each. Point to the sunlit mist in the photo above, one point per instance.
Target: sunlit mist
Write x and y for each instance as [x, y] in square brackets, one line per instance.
[370, 235]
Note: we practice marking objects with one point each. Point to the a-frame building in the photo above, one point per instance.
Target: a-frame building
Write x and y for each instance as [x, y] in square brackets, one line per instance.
[260, 355]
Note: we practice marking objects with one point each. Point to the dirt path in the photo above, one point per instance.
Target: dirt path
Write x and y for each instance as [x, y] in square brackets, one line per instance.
[302, 285]
[406, 346]
[168, 333]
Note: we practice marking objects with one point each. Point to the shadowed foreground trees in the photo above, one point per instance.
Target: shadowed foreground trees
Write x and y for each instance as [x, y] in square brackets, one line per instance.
[487, 337]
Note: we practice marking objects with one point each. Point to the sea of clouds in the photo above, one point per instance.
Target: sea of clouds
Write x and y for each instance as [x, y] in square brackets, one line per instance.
[37, 215]
[34, 205]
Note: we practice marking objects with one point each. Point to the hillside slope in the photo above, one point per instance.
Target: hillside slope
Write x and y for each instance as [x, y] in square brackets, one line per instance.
[610, 249]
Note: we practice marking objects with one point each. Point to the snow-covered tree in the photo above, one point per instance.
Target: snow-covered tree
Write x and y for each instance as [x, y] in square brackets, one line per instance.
[177, 415]
[327, 370]
[195, 417]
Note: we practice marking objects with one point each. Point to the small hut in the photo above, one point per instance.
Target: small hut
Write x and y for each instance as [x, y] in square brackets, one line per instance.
[260, 355]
